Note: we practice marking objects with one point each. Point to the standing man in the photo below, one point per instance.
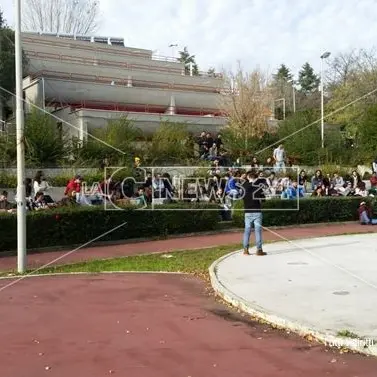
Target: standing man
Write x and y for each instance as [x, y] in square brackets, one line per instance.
[279, 157]
[252, 200]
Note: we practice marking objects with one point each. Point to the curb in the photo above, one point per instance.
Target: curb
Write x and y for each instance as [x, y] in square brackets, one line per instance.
[69, 274]
[254, 310]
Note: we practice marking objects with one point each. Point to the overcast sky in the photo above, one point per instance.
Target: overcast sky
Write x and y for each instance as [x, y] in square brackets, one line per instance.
[262, 33]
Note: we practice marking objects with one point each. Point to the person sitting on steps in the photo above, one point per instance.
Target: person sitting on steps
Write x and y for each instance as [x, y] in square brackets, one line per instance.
[366, 214]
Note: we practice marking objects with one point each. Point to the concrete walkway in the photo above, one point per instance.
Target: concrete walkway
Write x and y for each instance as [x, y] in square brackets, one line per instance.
[323, 286]
[77, 254]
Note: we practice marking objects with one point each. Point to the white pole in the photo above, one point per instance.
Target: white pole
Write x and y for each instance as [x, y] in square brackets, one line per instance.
[294, 98]
[44, 94]
[322, 122]
[191, 65]
[284, 108]
[21, 205]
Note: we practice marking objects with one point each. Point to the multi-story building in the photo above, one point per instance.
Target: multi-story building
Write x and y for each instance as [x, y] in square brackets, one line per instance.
[88, 81]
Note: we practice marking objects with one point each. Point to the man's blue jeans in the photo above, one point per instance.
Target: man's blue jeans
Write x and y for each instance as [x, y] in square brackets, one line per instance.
[253, 220]
[280, 166]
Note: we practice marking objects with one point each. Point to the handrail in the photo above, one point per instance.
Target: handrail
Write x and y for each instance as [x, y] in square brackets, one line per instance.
[85, 61]
[124, 81]
[117, 52]
[138, 108]
[110, 63]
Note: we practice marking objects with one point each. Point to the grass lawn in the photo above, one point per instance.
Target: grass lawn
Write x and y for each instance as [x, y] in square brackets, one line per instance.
[188, 261]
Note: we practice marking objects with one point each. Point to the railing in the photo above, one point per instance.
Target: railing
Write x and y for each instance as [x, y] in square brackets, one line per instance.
[124, 82]
[137, 108]
[94, 61]
[126, 53]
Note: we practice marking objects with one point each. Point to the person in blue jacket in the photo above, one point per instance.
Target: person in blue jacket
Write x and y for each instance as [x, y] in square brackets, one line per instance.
[293, 192]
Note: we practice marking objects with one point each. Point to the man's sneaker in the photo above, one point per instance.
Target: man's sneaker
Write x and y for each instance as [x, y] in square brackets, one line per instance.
[246, 252]
[260, 252]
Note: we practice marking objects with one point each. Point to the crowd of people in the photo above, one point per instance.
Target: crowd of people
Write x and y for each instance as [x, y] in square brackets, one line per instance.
[222, 184]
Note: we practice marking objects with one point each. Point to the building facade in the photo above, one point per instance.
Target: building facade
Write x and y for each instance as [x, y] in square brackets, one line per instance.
[85, 82]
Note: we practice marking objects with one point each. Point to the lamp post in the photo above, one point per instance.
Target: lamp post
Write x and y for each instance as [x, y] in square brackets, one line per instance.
[325, 55]
[294, 96]
[172, 49]
[21, 200]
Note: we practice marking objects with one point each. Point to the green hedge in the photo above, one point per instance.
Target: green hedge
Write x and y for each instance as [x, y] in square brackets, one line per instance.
[70, 226]
[278, 212]
[10, 181]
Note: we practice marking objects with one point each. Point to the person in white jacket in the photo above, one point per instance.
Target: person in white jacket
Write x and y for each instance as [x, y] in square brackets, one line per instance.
[40, 184]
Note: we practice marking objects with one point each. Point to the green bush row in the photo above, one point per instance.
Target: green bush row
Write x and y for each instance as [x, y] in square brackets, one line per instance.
[278, 212]
[71, 226]
[10, 181]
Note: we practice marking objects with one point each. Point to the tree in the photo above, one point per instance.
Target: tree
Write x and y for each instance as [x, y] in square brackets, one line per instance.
[171, 143]
[187, 59]
[367, 134]
[283, 74]
[211, 72]
[78, 17]
[2, 20]
[353, 78]
[7, 67]
[308, 80]
[248, 108]
[346, 67]
[283, 86]
[303, 134]
[44, 146]
[120, 134]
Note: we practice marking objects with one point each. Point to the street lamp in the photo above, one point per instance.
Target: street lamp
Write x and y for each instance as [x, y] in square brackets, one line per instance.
[293, 95]
[325, 55]
[172, 49]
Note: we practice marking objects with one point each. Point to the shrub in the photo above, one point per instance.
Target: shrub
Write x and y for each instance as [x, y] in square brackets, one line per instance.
[8, 181]
[70, 226]
[311, 210]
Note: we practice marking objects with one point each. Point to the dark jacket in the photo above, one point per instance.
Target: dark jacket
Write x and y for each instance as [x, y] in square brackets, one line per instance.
[253, 197]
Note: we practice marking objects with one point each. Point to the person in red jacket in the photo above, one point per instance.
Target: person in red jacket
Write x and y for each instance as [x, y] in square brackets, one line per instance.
[73, 185]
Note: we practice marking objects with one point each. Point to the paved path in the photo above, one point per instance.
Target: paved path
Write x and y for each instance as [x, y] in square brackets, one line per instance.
[147, 326]
[181, 243]
[326, 285]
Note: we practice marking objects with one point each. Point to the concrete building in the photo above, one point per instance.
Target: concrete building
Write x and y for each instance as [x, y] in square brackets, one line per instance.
[88, 81]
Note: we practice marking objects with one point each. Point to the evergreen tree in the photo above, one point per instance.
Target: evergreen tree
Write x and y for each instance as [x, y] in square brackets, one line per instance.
[283, 74]
[187, 59]
[7, 65]
[307, 79]
[2, 21]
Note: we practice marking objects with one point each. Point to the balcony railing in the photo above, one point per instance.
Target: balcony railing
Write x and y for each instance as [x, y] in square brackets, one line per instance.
[136, 107]
[100, 62]
[124, 82]
[94, 47]
[111, 64]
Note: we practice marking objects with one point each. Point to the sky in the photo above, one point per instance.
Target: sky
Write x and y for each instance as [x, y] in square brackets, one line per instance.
[257, 33]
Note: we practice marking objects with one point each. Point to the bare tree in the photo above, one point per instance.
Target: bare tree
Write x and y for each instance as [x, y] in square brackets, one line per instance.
[346, 68]
[78, 17]
[247, 102]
